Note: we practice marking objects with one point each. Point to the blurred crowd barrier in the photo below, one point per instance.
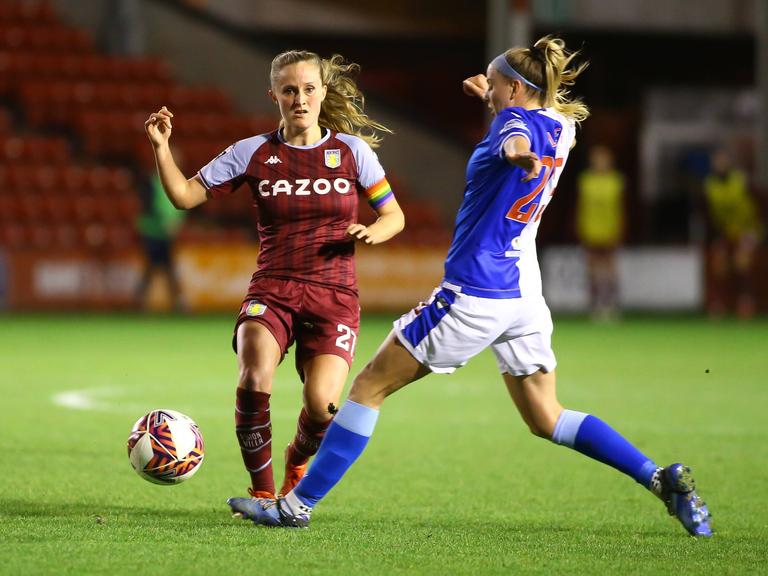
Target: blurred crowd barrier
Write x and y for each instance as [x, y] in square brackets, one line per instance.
[213, 277]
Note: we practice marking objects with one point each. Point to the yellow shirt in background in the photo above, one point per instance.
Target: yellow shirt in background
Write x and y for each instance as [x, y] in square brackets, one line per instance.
[600, 208]
[731, 207]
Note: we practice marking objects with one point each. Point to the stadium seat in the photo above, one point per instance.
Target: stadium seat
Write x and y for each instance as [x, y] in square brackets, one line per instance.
[65, 236]
[13, 235]
[16, 11]
[10, 209]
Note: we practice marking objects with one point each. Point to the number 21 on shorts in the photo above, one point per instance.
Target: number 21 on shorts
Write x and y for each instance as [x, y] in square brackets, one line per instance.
[347, 340]
[524, 209]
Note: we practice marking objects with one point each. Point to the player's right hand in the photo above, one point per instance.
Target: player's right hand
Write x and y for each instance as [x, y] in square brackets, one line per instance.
[158, 126]
[475, 86]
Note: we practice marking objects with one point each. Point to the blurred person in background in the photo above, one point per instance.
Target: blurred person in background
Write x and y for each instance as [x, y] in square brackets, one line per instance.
[735, 231]
[600, 229]
[491, 297]
[158, 226]
[305, 177]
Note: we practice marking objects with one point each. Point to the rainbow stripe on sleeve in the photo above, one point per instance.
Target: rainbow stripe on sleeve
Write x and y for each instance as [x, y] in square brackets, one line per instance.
[379, 194]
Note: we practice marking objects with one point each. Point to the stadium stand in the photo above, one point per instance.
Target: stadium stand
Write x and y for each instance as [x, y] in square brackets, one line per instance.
[72, 139]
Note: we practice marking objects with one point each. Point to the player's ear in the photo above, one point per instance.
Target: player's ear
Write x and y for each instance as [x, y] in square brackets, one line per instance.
[515, 86]
[272, 95]
[325, 92]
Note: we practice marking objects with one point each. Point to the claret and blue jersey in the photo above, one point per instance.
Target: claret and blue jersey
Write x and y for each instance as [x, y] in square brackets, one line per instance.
[493, 252]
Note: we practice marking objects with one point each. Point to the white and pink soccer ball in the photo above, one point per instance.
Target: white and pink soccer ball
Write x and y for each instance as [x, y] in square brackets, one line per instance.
[165, 447]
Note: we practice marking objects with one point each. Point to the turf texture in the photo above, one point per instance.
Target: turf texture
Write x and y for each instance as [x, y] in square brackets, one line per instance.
[451, 483]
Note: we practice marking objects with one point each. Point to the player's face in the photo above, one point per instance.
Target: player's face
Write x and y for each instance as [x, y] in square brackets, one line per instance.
[299, 92]
[500, 93]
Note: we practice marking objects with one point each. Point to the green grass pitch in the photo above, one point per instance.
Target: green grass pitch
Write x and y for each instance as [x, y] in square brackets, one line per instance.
[451, 483]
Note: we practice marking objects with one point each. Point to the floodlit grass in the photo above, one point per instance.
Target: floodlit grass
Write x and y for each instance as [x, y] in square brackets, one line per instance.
[451, 483]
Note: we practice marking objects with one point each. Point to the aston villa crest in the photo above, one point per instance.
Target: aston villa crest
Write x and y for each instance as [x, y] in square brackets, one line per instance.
[333, 158]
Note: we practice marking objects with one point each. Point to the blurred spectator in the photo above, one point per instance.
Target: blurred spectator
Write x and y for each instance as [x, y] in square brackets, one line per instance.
[600, 229]
[735, 231]
[158, 226]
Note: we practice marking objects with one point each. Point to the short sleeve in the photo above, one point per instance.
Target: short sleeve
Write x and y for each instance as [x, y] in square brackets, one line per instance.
[225, 173]
[370, 173]
[507, 124]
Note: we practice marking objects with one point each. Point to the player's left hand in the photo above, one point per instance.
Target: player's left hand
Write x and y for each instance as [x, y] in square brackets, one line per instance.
[360, 232]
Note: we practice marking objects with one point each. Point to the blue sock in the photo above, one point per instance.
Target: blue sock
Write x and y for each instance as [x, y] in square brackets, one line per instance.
[594, 438]
[343, 443]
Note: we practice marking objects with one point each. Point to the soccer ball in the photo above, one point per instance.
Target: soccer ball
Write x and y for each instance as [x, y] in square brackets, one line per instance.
[165, 447]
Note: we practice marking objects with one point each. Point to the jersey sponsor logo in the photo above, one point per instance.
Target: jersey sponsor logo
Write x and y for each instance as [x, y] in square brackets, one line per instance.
[272, 160]
[303, 186]
[333, 158]
[255, 308]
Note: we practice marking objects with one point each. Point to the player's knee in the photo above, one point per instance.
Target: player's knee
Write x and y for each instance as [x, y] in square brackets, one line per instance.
[539, 430]
[320, 409]
[541, 425]
[255, 378]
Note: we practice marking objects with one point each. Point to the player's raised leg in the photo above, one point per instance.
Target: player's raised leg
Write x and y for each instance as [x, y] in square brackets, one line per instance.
[536, 399]
[392, 368]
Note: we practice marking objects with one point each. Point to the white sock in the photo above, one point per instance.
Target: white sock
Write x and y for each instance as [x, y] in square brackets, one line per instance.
[655, 485]
[296, 506]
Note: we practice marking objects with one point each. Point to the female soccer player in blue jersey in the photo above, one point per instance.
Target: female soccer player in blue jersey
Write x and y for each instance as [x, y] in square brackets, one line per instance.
[305, 178]
[491, 296]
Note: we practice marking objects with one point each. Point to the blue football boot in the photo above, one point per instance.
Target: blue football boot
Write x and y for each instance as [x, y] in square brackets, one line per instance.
[262, 511]
[679, 494]
[267, 512]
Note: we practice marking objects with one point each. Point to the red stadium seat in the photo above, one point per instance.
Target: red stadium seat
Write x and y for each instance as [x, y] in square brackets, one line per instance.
[65, 235]
[34, 149]
[10, 209]
[13, 235]
[21, 177]
[120, 236]
[121, 181]
[73, 179]
[46, 178]
[40, 235]
[85, 209]
[23, 12]
[57, 208]
[32, 208]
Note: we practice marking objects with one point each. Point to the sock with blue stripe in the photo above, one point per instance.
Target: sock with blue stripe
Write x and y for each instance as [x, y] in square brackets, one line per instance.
[596, 439]
[344, 441]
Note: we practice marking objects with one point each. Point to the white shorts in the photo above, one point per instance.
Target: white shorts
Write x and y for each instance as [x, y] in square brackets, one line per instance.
[449, 329]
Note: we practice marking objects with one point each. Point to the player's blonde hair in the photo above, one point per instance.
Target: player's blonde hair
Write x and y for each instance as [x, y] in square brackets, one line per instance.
[342, 109]
[547, 65]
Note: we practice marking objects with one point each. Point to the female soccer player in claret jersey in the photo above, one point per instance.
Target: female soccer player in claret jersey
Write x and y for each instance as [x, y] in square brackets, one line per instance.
[491, 297]
[305, 178]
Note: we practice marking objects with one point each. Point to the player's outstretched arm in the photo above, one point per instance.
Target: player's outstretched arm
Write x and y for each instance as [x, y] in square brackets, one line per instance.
[517, 151]
[182, 192]
[390, 222]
